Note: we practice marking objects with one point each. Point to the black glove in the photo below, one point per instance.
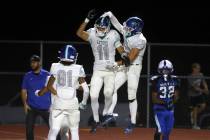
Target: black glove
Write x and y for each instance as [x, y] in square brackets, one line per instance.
[125, 59]
[91, 14]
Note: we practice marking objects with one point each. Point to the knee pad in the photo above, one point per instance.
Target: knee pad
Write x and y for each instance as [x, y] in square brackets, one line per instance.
[131, 101]
[108, 93]
[132, 93]
[74, 119]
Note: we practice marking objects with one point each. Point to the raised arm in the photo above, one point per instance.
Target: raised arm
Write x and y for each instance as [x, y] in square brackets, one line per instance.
[81, 31]
[114, 21]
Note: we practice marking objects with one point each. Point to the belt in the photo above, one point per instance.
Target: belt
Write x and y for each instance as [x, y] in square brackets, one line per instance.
[135, 64]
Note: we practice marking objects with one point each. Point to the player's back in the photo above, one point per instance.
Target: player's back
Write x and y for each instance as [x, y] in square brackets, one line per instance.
[66, 79]
[165, 88]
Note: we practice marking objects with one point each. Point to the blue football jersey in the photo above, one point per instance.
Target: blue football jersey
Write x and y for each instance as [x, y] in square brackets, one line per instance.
[165, 87]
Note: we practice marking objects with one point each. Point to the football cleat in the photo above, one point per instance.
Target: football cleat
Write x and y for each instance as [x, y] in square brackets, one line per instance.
[94, 127]
[129, 129]
[109, 118]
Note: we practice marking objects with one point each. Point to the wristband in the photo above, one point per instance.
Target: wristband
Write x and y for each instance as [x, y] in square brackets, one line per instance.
[86, 20]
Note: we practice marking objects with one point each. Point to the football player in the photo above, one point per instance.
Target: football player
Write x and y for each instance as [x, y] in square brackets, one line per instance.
[164, 95]
[134, 46]
[104, 42]
[63, 83]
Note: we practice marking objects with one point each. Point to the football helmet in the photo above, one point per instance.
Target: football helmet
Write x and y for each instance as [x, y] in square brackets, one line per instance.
[102, 26]
[68, 54]
[133, 26]
[165, 67]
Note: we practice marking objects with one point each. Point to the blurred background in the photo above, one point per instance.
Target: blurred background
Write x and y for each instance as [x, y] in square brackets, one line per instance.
[180, 34]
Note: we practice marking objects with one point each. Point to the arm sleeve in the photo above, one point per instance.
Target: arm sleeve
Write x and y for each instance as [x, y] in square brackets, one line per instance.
[52, 70]
[24, 83]
[116, 24]
[82, 72]
[47, 79]
[117, 42]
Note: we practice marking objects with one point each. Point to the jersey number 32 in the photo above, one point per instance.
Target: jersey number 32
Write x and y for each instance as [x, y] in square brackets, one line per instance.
[167, 92]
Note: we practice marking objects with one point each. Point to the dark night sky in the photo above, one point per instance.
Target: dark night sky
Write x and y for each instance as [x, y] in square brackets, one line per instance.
[37, 21]
[33, 20]
[59, 21]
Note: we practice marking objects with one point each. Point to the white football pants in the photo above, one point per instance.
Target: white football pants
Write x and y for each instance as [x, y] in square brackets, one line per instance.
[97, 80]
[64, 118]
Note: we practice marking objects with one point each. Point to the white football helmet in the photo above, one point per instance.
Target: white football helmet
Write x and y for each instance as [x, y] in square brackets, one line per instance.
[165, 67]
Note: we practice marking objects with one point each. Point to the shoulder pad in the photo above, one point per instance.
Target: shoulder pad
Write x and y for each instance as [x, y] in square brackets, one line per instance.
[174, 76]
[77, 65]
[154, 77]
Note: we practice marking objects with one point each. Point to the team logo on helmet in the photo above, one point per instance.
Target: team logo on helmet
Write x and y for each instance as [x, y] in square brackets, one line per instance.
[165, 67]
[133, 26]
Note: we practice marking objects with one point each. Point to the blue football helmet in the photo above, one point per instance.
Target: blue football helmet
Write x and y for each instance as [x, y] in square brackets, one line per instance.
[133, 26]
[68, 54]
[102, 26]
[165, 67]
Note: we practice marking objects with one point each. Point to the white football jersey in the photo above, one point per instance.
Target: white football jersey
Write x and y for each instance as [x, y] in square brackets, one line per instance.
[136, 41]
[103, 48]
[66, 79]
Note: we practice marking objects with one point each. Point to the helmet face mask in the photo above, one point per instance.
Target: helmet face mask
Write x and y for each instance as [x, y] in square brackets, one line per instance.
[165, 67]
[127, 30]
[133, 26]
[101, 31]
[102, 26]
[165, 71]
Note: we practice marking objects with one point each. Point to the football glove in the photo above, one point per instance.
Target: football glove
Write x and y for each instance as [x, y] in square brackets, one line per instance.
[91, 14]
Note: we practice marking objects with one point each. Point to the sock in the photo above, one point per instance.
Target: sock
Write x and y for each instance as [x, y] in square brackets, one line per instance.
[53, 134]
[95, 107]
[74, 134]
[107, 104]
[166, 137]
[133, 111]
[114, 102]
[157, 136]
